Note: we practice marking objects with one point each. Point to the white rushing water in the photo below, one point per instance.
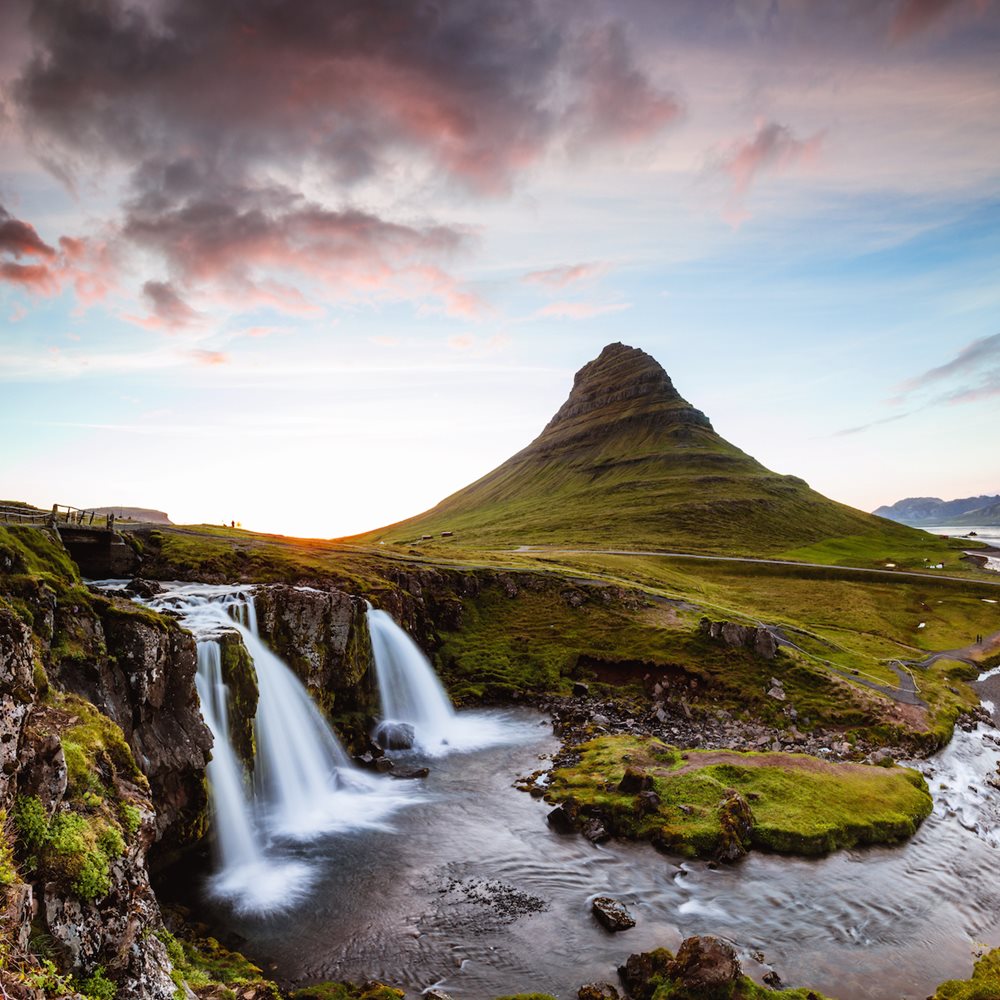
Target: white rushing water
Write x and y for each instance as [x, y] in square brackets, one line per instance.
[304, 786]
[411, 693]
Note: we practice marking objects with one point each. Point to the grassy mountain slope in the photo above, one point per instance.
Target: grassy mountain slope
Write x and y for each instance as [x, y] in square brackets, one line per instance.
[627, 462]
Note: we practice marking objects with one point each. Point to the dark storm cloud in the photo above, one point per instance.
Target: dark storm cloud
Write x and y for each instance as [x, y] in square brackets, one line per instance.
[205, 102]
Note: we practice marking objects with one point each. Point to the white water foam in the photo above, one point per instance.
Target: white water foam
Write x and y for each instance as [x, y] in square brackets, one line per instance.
[411, 693]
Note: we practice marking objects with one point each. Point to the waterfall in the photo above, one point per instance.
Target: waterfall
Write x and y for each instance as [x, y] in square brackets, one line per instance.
[304, 784]
[409, 689]
[230, 812]
[411, 693]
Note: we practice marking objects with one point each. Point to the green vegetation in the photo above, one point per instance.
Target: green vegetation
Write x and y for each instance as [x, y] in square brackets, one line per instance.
[203, 962]
[984, 984]
[8, 869]
[799, 804]
[72, 849]
[97, 986]
[347, 991]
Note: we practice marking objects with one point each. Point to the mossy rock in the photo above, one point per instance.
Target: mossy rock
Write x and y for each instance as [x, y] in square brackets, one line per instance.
[984, 984]
[719, 803]
[240, 677]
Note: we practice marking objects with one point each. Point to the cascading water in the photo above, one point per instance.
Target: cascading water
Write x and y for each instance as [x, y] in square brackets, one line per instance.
[304, 784]
[230, 812]
[411, 693]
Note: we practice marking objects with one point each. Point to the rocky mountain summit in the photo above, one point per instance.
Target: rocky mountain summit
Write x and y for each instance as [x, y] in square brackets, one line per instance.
[930, 512]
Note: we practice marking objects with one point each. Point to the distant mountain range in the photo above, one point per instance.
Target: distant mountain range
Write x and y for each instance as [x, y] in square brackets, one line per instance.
[921, 512]
[628, 463]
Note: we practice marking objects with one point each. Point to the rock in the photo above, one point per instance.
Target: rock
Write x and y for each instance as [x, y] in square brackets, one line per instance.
[705, 963]
[17, 689]
[580, 690]
[883, 758]
[777, 693]
[736, 822]
[597, 991]
[394, 735]
[772, 979]
[641, 973]
[143, 588]
[435, 994]
[383, 765]
[775, 682]
[594, 830]
[600, 720]
[647, 802]
[635, 781]
[612, 914]
[560, 820]
[410, 772]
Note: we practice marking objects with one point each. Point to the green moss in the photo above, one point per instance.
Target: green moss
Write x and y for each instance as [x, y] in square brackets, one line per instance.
[203, 962]
[131, 820]
[347, 991]
[71, 848]
[96, 751]
[984, 984]
[240, 678]
[97, 986]
[799, 804]
[8, 869]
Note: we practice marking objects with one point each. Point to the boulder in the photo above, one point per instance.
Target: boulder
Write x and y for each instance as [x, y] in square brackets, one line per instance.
[598, 991]
[641, 973]
[580, 690]
[394, 735]
[595, 831]
[705, 963]
[611, 914]
[736, 822]
[635, 781]
[410, 772]
[560, 820]
[647, 802]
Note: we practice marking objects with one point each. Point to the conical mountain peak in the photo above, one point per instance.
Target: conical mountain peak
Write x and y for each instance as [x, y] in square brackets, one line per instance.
[622, 382]
[628, 462]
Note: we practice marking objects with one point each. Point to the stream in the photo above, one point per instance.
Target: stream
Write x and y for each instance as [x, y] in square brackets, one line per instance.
[470, 889]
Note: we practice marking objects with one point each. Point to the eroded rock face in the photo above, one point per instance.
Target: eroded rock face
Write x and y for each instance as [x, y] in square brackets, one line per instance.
[756, 638]
[321, 635]
[17, 689]
[145, 683]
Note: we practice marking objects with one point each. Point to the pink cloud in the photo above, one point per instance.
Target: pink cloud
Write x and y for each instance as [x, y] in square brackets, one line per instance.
[568, 274]
[84, 264]
[915, 16]
[210, 358]
[581, 310]
[773, 148]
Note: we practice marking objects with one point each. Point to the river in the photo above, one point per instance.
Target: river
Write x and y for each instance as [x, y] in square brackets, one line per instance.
[469, 888]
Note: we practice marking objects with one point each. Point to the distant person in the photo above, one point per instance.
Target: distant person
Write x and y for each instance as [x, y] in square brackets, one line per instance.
[232, 524]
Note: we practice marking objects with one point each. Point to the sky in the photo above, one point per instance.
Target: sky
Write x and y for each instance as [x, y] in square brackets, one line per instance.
[314, 265]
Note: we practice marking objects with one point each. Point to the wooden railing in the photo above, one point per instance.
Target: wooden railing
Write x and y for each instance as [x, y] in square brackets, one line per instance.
[59, 515]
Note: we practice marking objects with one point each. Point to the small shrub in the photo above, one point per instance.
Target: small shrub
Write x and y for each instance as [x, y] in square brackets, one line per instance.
[97, 986]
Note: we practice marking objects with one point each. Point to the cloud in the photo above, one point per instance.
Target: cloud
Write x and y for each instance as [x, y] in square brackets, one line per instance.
[86, 265]
[581, 310]
[568, 274]
[773, 148]
[210, 358]
[874, 423]
[915, 16]
[976, 367]
[168, 310]
[219, 111]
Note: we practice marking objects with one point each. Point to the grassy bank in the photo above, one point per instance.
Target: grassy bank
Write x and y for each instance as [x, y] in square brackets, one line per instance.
[797, 804]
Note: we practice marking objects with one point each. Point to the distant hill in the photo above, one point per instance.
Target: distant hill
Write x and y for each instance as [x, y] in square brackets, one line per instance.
[626, 462]
[136, 514]
[930, 511]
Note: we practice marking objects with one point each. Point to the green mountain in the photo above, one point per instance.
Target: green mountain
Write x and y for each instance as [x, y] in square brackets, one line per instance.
[628, 463]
